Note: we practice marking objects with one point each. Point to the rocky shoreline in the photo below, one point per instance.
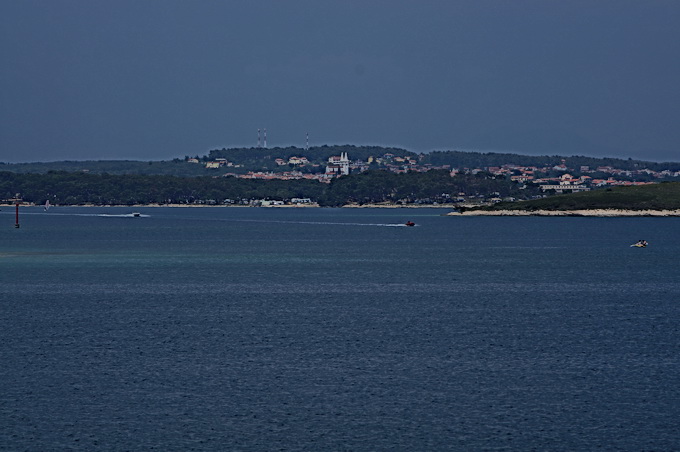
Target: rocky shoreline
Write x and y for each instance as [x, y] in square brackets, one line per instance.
[570, 213]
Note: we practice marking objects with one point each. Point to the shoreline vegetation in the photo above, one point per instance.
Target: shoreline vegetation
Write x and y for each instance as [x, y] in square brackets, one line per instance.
[283, 206]
[456, 213]
[396, 179]
[656, 200]
[434, 187]
[569, 213]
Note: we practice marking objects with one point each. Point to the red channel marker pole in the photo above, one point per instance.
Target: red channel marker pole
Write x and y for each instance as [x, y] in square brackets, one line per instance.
[16, 225]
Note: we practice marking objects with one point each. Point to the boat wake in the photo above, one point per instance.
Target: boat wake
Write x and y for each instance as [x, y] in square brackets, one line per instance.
[123, 215]
[62, 214]
[383, 225]
[337, 223]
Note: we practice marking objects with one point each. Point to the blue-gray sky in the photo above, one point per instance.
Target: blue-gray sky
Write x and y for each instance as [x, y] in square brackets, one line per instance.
[158, 79]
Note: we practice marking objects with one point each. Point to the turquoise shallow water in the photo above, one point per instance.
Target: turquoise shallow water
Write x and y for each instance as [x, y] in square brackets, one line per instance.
[340, 329]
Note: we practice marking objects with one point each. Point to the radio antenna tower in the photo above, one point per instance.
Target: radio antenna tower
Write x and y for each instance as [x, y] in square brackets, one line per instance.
[258, 138]
[265, 138]
[307, 142]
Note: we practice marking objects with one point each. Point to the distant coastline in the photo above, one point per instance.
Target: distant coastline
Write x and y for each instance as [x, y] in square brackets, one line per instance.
[570, 213]
[464, 213]
[306, 205]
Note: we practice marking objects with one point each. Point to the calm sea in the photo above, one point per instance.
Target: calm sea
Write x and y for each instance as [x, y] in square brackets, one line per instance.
[336, 329]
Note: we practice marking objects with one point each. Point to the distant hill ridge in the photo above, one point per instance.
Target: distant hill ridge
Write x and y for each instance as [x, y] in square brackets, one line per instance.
[264, 159]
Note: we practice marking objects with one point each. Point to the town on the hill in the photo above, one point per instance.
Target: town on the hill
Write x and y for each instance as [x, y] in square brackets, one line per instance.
[558, 178]
[326, 176]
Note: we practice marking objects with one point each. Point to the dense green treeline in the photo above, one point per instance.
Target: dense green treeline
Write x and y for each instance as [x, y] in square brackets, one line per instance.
[460, 159]
[412, 187]
[175, 167]
[103, 189]
[370, 187]
[662, 196]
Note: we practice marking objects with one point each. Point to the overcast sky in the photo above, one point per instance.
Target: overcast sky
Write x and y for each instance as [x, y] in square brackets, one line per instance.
[158, 79]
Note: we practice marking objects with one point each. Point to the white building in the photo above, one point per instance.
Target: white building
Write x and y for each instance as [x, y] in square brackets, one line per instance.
[298, 161]
[338, 165]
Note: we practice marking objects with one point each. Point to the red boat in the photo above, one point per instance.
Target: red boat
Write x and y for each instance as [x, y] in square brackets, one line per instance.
[409, 223]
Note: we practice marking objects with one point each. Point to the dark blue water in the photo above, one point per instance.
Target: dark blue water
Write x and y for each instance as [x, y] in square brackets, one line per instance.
[336, 329]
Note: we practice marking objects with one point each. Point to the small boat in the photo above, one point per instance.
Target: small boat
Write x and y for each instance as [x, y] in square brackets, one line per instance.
[640, 244]
[409, 223]
[136, 214]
